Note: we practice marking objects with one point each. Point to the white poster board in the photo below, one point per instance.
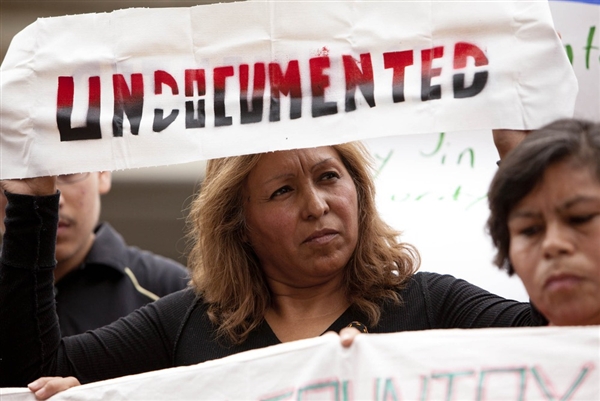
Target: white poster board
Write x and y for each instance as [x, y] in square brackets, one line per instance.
[433, 186]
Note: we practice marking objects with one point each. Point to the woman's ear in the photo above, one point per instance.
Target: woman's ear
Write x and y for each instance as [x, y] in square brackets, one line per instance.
[104, 182]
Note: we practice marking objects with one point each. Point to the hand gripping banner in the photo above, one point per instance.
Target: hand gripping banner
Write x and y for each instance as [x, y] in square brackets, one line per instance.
[147, 87]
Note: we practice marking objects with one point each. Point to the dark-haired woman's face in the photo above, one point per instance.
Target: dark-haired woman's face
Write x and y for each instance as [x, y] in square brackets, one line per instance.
[302, 215]
[555, 245]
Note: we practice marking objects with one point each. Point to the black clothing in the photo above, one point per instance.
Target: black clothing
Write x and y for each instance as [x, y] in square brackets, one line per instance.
[103, 289]
[175, 330]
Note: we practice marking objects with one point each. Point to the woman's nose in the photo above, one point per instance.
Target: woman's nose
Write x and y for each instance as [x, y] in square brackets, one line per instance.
[61, 199]
[557, 241]
[315, 204]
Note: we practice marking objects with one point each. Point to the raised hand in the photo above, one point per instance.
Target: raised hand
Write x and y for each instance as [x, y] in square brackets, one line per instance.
[39, 186]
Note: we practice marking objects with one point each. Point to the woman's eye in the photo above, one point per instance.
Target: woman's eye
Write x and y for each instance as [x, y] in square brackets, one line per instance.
[281, 191]
[530, 231]
[329, 175]
[582, 219]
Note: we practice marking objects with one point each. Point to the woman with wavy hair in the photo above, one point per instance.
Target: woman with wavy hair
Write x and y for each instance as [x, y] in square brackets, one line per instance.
[228, 272]
[285, 245]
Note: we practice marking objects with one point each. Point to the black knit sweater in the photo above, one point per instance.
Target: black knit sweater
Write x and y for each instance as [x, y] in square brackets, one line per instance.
[175, 330]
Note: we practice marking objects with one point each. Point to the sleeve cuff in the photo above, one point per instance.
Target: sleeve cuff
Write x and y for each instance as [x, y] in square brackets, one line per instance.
[31, 224]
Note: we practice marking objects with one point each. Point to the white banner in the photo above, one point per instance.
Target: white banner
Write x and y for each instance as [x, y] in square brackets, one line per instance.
[146, 87]
[486, 364]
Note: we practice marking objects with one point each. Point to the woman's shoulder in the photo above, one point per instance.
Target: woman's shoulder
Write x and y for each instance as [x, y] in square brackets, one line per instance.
[431, 286]
[178, 302]
[414, 312]
[426, 279]
[173, 310]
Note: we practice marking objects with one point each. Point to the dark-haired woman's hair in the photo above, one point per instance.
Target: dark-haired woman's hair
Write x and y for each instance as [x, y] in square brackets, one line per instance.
[572, 140]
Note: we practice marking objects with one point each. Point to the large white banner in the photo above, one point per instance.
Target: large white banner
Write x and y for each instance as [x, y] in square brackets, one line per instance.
[146, 87]
[487, 364]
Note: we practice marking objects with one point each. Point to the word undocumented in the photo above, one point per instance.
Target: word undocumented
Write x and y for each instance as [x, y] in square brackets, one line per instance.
[147, 87]
[129, 94]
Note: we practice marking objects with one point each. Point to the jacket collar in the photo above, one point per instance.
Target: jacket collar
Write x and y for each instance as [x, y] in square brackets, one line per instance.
[109, 248]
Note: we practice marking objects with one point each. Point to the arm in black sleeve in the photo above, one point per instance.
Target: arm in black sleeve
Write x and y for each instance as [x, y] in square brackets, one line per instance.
[30, 332]
[142, 341]
[455, 303]
[30, 340]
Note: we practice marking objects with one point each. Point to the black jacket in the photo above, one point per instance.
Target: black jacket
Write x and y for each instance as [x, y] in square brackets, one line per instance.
[113, 281]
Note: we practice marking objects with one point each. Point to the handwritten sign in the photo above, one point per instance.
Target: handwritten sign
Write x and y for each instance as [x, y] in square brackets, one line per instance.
[579, 26]
[433, 186]
[146, 87]
[486, 364]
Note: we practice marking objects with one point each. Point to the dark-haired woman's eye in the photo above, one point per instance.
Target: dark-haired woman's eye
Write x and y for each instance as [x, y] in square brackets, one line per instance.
[582, 219]
[530, 231]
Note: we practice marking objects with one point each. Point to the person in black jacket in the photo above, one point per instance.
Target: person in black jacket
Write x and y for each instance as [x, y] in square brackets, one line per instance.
[98, 278]
[287, 245]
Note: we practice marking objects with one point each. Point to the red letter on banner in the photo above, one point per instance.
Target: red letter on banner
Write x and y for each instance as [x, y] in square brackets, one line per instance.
[319, 82]
[191, 76]
[429, 92]
[220, 74]
[462, 51]
[363, 79]
[160, 78]
[64, 110]
[288, 84]
[254, 113]
[130, 103]
[398, 61]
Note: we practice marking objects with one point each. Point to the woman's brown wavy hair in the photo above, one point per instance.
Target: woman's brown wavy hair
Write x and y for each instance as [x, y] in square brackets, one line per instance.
[226, 271]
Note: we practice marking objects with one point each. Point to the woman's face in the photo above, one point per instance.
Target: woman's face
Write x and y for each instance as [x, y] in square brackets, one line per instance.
[555, 245]
[301, 210]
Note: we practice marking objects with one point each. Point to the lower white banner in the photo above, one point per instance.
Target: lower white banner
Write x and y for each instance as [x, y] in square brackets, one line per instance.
[546, 363]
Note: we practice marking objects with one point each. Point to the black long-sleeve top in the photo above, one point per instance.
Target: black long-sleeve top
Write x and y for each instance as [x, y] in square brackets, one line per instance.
[175, 330]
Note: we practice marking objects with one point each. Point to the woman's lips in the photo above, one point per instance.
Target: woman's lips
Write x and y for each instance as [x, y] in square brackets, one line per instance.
[321, 236]
[561, 282]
